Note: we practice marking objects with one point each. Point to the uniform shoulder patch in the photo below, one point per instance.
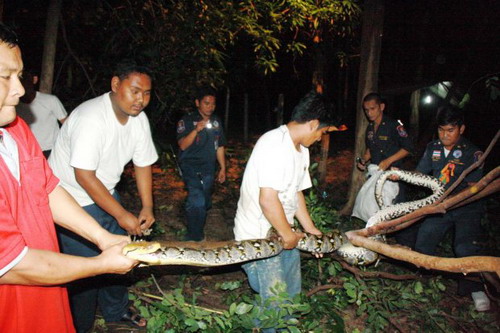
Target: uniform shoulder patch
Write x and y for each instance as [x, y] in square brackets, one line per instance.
[181, 127]
[370, 135]
[436, 155]
[457, 153]
[401, 131]
[477, 156]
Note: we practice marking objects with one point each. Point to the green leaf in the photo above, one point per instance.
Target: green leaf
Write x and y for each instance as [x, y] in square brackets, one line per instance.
[243, 308]
[220, 322]
[190, 322]
[232, 308]
[418, 288]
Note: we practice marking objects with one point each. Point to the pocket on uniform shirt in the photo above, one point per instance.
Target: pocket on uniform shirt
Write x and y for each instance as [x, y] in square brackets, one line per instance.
[34, 180]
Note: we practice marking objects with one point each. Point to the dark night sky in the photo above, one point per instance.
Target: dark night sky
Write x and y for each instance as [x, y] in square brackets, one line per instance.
[454, 41]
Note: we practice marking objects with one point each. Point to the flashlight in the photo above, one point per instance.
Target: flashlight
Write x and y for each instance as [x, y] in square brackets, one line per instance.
[208, 125]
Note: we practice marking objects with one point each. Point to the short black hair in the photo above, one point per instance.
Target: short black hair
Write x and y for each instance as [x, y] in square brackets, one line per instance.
[128, 66]
[204, 91]
[8, 36]
[450, 115]
[373, 96]
[311, 107]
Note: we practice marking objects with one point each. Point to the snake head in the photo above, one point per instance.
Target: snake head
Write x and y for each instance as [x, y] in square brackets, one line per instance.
[141, 250]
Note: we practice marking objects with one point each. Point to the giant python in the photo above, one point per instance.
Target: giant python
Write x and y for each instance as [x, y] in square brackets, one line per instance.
[232, 252]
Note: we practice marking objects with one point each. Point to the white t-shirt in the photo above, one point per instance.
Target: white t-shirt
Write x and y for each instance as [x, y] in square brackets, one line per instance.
[42, 115]
[274, 163]
[93, 139]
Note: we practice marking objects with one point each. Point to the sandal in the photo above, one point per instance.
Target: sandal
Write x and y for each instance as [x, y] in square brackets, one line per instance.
[131, 322]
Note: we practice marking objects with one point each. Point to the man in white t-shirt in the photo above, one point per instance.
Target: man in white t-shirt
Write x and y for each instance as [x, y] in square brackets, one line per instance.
[95, 143]
[271, 194]
[42, 112]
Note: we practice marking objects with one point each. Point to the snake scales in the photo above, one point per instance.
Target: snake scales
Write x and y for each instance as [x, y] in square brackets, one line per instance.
[231, 252]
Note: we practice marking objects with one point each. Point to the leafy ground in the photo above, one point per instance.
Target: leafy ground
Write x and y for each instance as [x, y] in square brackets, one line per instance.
[337, 300]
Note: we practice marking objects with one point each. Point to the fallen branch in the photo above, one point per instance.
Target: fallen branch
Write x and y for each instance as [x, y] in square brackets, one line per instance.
[147, 298]
[321, 288]
[458, 265]
[359, 275]
[472, 193]
[473, 166]
[469, 194]
[395, 324]
[490, 189]
[362, 274]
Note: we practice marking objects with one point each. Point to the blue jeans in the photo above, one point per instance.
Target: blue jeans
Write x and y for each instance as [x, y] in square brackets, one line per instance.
[109, 291]
[468, 233]
[199, 185]
[264, 274]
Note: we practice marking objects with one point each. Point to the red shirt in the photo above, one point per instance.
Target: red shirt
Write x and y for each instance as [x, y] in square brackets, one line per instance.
[26, 220]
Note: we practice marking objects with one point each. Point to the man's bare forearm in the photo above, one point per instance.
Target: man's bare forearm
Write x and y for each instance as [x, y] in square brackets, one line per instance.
[144, 180]
[46, 268]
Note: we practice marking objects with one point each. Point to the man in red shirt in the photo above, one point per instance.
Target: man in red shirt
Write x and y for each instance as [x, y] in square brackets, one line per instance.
[31, 267]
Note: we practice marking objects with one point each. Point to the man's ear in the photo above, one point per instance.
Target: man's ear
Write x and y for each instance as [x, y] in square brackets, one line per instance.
[197, 103]
[314, 124]
[35, 79]
[462, 129]
[115, 83]
[382, 106]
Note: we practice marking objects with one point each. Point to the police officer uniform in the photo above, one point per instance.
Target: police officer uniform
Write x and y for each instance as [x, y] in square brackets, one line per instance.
[384, 142]
[387, 140]
[465, 220]
[198, 163]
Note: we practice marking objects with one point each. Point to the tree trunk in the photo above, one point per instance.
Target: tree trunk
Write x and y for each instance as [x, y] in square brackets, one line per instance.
[415, 114]
[317, 81]
[49, 46]
[371, 40]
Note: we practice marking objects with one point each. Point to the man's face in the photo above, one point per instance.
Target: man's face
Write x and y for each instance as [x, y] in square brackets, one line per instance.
[11, 66]
[450, 134]
[314, 134]
[132, 94]
[373, 110]
[206, 106]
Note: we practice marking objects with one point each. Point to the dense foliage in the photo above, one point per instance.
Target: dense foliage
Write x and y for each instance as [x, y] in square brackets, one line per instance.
[190, 43]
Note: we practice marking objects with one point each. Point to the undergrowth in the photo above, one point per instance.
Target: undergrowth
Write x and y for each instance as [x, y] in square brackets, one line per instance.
[334, 299]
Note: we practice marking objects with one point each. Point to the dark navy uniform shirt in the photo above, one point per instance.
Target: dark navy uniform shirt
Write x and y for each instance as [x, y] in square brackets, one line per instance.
[448, 169]
[389, 138]
[202, 154]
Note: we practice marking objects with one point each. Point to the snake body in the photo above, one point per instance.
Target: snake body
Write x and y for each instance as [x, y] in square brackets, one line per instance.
[225, 253]
[232, 252]
[360, 256]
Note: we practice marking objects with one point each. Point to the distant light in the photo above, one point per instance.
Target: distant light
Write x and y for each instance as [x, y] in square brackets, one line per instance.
[428, 99]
